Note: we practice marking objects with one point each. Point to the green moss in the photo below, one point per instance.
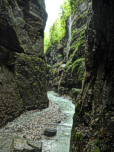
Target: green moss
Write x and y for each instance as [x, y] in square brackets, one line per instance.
[20, 100]
[78, 137]
[97, 149]
[49, 68]
[75, 5]
[61, 88]
[55, 70]
[75, 91]
[34, 84]
[57, 64]
[69, 66]
[69, 63]
[31, 60]
[59, 56]
[17, 137]
[80, 16]
[17, 35]
[51, 71]
[77, 63]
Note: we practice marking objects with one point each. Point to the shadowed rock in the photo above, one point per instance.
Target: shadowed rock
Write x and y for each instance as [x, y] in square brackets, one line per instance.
[23, 145]
[22, 62]
[50, 132]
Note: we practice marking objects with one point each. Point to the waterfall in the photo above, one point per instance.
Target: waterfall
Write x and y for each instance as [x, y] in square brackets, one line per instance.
[61, 74]
[70, 35]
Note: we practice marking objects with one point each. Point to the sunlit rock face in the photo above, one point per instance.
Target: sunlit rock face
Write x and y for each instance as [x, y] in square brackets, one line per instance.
[22, 62]
[94, 112]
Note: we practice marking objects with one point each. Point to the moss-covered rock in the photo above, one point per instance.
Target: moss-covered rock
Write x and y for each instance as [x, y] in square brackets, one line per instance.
[94, 115]
[22, 63]
[49, 77]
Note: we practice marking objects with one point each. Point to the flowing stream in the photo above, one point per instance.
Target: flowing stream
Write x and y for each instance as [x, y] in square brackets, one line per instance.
[61, 142]
[58, 143]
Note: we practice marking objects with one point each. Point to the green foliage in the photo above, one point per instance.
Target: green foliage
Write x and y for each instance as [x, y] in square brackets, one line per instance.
[57, 30]
[49, 68]
[57, 64]
[77, 63]
[55, 70]
[59, 56]
[34, 84]
[80, 42]
[17, 137]
[61, 88]
[97, 149]
[75, 5]
[69, 63]
[20, 100]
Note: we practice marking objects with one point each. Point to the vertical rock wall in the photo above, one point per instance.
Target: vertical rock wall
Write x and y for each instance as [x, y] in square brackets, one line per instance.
[69, 78]
[74, 69]
[22, 62]
[93, 121]
[52, 59]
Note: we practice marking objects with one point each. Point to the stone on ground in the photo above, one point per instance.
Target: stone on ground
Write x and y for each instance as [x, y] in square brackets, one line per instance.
[50, 132]
[23, 145]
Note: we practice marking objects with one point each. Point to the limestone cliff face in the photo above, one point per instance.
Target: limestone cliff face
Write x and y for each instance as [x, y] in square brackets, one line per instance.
[72, 76]
[55, 56]
[90, 68]
[22, 62]
[67, 77]
[54, 51]
[93, 121]
[49, 77]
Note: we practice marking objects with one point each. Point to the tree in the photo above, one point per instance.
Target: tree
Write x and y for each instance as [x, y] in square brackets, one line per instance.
[57, 30]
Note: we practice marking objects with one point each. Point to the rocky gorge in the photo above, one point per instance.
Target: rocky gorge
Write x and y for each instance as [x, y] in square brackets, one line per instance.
[81, 66]
[87, 76]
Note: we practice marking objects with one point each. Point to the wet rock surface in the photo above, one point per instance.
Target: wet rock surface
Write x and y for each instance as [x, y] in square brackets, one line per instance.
[23, 145]
[22, 62]
[94, 110]
[49, 132]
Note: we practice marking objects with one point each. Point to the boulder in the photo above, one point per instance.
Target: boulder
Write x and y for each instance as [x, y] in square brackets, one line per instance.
[23, 145]
[50, 132]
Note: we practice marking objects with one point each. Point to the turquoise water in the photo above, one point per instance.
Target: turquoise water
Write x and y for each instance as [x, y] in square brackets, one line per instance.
[61, 142]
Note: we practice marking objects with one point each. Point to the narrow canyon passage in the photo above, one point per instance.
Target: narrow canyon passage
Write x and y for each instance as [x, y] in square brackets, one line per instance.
[61, 141]
[57, 81]
[30, 126]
